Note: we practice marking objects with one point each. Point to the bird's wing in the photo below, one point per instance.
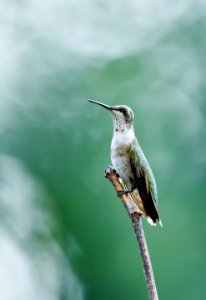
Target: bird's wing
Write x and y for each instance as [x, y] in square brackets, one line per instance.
[143, 186]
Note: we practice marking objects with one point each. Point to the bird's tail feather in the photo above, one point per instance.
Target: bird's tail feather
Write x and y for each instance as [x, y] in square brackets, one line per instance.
[135, 198]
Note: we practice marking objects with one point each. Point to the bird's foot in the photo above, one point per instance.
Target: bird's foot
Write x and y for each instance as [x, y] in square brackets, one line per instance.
[121, 193]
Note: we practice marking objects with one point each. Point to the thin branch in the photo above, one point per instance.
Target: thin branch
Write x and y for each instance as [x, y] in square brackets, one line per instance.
[139, 232]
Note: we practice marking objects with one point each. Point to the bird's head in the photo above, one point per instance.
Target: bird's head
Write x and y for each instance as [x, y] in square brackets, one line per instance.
[122, 115]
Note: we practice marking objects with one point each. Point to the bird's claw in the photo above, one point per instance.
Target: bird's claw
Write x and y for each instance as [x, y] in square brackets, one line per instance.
[121, 193]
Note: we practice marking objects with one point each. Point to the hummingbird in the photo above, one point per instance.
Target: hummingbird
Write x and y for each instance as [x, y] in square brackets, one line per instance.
[131, 164]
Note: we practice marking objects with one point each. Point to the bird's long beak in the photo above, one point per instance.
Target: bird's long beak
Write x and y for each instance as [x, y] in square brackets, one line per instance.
[102, 104]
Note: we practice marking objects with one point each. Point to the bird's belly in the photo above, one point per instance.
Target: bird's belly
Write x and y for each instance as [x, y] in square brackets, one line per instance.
[121, 163]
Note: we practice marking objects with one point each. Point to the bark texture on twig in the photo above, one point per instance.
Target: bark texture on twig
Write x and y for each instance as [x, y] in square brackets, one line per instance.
[139, 232]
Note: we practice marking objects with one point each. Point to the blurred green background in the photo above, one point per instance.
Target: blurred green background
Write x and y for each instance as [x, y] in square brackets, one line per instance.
[63, 232]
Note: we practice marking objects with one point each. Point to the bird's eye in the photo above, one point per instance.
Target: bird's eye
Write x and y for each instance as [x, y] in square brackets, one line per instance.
[123, 110]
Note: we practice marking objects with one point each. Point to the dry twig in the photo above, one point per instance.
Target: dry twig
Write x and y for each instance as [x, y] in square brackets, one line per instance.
[139, 232]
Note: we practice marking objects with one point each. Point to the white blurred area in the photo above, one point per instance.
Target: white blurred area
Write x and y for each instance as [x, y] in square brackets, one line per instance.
[92, 28]
[38, 38]
[29, 268]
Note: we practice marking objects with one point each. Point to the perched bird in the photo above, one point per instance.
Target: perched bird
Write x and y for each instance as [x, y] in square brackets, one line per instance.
[131, 164]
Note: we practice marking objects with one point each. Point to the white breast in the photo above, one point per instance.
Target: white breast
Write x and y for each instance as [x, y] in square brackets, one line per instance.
[122, 140]
[120, 153]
